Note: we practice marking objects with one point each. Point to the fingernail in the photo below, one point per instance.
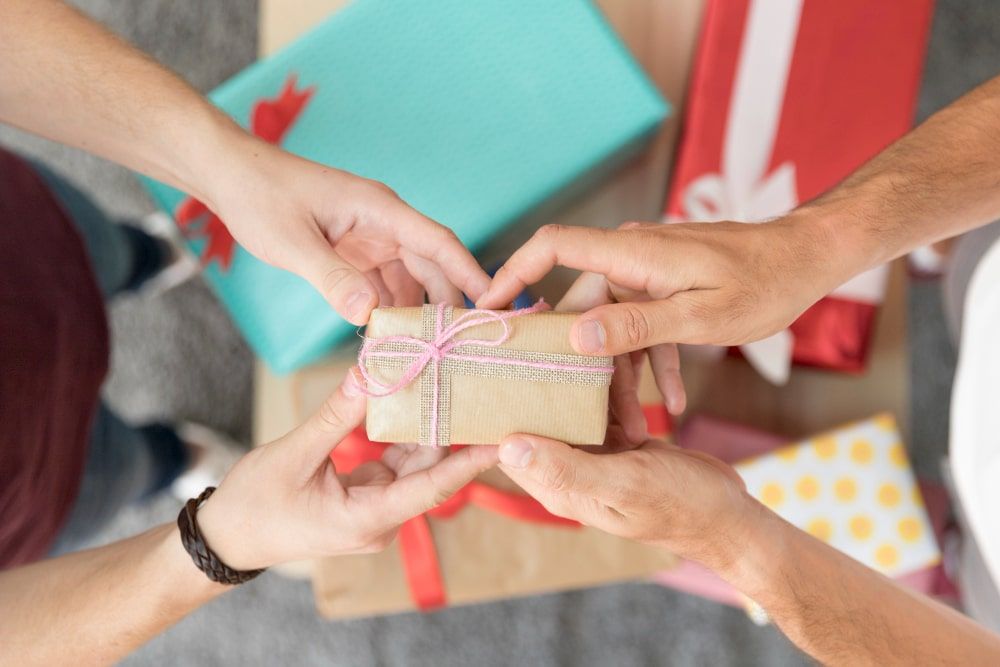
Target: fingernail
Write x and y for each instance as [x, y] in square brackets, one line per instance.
[592, 337]
[352, 384]
[357, 305]
[516, 453]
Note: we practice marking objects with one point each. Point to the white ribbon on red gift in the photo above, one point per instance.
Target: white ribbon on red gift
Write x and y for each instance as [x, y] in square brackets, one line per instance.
[744, 190]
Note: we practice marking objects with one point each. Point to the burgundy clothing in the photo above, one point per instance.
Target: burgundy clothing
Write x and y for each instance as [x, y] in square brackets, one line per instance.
[53, 358]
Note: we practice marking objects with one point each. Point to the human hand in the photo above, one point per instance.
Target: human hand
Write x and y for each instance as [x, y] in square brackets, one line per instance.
[592, 290]
[691, 503]
[285, 501]
[358, 243]
[719, 283]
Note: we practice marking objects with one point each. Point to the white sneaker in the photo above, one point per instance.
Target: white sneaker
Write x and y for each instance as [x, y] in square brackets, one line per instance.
[183, 266]
[213, 454]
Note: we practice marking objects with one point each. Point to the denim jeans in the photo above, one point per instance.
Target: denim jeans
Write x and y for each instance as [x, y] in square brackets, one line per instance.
[124, 463]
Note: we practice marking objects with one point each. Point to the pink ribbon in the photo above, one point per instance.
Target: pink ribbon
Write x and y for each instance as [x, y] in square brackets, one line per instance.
[443, 346]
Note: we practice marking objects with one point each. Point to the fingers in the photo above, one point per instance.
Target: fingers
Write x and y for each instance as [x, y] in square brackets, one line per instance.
[625, 327]
[369, 473]
[625, 399]
[549, 470]
[345, 288]
[610, 253]
[439, 288]
[666, 363]
[437, 244]
[342, 412]
[425, 489]
[588, 291]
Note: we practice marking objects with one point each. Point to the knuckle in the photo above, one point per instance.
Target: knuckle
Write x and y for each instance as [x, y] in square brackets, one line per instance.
[634, 326]
[558, 476]
[549, 233]
[335, 278]
[331, 417]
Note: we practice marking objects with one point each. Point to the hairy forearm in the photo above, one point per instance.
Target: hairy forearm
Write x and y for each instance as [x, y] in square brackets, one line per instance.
[65, 77]
[940, 180]
[96, 606]
[841, 612]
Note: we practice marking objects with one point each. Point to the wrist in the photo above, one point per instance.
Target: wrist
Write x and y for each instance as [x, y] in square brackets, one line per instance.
[178, 570]
[760, 555]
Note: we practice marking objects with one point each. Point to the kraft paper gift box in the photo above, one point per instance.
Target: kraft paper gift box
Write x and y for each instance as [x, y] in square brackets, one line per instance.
[475, 113]
[440, 375]
[851, 487]
[787, 98]
[490, 542]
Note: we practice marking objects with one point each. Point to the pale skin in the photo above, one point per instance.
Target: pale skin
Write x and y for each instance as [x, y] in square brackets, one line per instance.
[651, 285]
[65, 77]
[281, 502]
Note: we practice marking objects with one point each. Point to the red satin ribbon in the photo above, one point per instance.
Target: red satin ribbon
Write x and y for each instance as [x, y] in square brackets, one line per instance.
[270, 119]
[416, 542]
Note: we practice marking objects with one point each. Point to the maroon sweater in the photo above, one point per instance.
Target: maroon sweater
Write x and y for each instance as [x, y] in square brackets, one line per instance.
[53, 359]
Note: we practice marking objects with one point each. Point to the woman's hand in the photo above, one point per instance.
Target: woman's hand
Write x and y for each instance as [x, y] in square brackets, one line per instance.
[285, 501]
[354, 239]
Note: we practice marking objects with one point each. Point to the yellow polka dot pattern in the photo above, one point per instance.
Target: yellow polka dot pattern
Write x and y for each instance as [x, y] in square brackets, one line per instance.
[854, 489]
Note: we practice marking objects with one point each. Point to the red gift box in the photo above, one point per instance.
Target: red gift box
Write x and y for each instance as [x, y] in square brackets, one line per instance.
[787, 98]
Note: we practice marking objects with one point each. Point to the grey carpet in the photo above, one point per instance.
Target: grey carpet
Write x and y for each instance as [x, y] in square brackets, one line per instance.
[178, 357]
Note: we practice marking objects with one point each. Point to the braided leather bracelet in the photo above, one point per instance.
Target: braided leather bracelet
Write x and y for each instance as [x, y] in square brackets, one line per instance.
[203, 557]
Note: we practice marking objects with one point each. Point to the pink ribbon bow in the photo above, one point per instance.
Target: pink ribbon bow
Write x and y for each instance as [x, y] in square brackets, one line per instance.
[443, 345]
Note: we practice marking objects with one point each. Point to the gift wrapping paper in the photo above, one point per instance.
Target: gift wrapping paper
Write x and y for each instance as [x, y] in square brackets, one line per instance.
[854, 489]
[475, 113]
[787, 98]
[506, 373]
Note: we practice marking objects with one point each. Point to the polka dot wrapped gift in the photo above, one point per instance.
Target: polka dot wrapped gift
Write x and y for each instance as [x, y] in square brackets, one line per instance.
[854, 489]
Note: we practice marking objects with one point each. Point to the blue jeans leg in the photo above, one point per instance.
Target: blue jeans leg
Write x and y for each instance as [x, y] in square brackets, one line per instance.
[124, 463]
[122, 256]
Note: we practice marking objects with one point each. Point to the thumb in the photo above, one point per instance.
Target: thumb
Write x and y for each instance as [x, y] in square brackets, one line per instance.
[549, 470]
[626, 327]
[344, 287]
[424, 490]
[340, 414]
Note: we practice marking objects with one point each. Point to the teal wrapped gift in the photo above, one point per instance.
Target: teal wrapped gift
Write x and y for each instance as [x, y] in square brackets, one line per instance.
[476, 113]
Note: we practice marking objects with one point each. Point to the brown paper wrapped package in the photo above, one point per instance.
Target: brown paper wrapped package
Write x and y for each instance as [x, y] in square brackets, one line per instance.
[476, 409]
[483, 556]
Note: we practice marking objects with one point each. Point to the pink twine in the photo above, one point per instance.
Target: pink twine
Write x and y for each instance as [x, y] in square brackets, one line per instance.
[440, 348]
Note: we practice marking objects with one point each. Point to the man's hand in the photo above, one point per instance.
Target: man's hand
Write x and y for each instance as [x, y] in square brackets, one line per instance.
[721, 283]
[355, 240]
[285, 501]
[688, 502]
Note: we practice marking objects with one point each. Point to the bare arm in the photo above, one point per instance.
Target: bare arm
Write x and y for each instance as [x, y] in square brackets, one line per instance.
[832, 607]
[843, 613]
[65, 77]
[95, 606]
[730, 283]
[281, 502]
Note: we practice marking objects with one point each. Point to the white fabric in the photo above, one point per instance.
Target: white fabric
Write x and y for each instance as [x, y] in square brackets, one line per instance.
[975, 421]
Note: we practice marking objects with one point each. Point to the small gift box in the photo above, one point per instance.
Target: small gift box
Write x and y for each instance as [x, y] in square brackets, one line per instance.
[786, 99]
[440, 375]
[475, 113]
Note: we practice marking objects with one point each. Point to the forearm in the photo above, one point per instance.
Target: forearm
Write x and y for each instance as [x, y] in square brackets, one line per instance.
[95, 606]
[841, 612]
[940, 180]
[65, 77]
